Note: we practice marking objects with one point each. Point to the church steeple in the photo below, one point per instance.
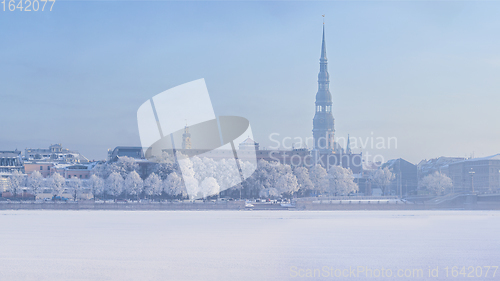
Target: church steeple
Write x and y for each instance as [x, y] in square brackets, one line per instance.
[348, 146]
[186, 138]
[323, 46]
[323, 123]
[323, 76]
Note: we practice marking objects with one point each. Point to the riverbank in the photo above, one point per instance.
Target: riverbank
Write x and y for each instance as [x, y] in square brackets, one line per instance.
[240, 205]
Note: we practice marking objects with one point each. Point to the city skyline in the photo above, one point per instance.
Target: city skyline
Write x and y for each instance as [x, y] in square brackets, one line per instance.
[434, 73]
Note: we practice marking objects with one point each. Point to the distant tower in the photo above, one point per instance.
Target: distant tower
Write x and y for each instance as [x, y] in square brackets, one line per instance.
[323, 122]
[186, 138]
[348, 146]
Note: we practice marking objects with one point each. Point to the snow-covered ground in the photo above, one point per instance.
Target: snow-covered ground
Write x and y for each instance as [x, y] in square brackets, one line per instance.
[232, 245]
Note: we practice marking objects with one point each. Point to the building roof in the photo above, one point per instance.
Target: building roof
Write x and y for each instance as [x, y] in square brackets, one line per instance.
[9, 154]
[495, 157]
[393, 162]
[129, 151]
[86, 166]
[248, 141]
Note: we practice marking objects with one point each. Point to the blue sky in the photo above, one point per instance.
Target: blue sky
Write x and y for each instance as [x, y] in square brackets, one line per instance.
[422, 71]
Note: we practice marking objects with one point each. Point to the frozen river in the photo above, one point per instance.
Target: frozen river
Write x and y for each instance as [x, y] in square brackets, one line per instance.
[248, 245]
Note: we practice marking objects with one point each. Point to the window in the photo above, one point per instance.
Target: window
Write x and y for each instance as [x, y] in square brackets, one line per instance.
[80, 176]
[41, 168]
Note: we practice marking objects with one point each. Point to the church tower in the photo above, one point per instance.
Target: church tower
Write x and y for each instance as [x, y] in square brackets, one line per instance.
[186, 138]
[323, 122]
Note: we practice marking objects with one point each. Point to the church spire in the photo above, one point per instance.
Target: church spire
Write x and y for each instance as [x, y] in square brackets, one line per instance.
[323, 47]
[323, 122]
[348, 146]
[323, 76]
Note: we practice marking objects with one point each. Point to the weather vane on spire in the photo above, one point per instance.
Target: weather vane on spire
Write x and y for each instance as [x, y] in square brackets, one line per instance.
[323, 18]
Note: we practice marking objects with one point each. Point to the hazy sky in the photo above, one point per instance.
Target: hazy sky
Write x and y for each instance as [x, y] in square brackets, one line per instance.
[424, 72]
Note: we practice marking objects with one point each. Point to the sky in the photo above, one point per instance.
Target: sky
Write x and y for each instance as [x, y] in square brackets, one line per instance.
[423, 72]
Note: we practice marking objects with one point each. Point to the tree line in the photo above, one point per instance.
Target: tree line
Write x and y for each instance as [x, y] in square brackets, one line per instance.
[206, 178]
[122, 179]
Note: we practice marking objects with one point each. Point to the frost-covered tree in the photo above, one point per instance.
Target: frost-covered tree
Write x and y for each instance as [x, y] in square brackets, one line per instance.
[35, 181]
[319, 178]
[188, 175]
[303, 180]
[57, 183]
[198, 168]
[287, 183]
[124, 165]
[254, 184]
[341, 181]
[209, 187]
[96, 185]
[114, 184]
[75, 185]
[247, 168]
[134, 184]
[165, 164]
[192, 187]
[153, 185]
[173, 185]
[225, 172]
[383, 178]
[436, 183]
[270, 173]
[16, 182]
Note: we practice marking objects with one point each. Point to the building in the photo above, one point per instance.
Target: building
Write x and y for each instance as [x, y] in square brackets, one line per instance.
[68, 171]
[441, 165]
[43, 167]
[47, 169]
[405, 181]
[135, 152]
[4, 183]
[249, 144]
[55, 154]
[480, 175]
[11, 161]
